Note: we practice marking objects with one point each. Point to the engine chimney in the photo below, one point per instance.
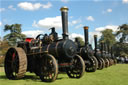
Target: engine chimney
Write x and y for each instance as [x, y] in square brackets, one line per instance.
[105, 49]
[102, 48]
[111, 51]
[86, 35]
[95, 40]
[76, 39]
[108, 48]
[64, 15]
[77, 42]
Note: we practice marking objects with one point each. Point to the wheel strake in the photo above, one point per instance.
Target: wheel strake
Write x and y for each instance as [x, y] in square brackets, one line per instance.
[15, 63]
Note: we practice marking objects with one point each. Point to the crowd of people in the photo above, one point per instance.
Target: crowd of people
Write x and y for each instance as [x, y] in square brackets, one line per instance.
[122, 60]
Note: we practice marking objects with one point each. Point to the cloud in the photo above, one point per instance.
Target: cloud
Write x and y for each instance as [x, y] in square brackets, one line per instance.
[49, 22]
[91, 36]
[74, 22]
[2, 9]
[11, 7]
[72, 36]
[56, 22]
[0, 23]
[98, 32]
[79, 26]
[46, 6]
[113, 27]
[109, 10]
[125, 1]
[70, 17]
[90, 18]
[32, 33]
[65, 1]
[97, 0]
[31, 7]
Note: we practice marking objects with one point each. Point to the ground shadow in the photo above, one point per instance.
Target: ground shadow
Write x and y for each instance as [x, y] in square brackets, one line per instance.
[31, 77]
[3, 77]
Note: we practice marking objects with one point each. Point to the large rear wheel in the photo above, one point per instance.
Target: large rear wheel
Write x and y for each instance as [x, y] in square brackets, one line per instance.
[15, 63]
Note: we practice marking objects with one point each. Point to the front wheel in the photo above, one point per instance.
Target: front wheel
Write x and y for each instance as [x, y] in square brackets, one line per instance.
[77, 69]
[49, 68]
[92, 64]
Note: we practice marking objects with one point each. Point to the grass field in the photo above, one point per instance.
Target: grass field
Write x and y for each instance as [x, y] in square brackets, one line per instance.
[114, 75]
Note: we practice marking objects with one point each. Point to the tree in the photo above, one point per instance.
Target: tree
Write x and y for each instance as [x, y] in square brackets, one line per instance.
[121, 47]
[123, 33]
[107, 37]
[81, 42]
[3, 49]
[15, 34]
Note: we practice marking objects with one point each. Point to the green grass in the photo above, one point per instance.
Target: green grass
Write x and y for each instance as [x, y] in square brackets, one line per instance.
[114, 75]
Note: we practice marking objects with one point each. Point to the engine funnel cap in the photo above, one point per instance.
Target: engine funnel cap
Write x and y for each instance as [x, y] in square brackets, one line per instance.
[86, 27]
[64, 9]
[95, 35]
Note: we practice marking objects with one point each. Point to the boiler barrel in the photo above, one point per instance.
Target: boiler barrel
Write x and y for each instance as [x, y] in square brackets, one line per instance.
[63, 48]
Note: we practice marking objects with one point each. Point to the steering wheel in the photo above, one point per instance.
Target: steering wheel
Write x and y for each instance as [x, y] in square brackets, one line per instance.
[39, 37]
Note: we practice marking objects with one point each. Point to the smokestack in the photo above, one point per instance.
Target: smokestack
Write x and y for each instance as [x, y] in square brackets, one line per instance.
[78, 42]
[76, 39]
[86, 35]
[95, 40]
[105, 49]
[108, 48]
[102, 48]
[64, 15]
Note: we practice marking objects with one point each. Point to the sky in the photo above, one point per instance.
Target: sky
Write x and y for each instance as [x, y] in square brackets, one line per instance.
[37, 16]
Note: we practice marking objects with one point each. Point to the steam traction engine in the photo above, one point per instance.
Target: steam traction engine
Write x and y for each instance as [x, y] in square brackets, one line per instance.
[104, 55]
[45, 56]
[87, 53]
[111, 62]
[98, 55]
[113, 56]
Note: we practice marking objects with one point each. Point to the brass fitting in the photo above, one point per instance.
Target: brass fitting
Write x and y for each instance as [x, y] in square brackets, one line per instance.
[86, 27]
[64, 9]
[95, 35]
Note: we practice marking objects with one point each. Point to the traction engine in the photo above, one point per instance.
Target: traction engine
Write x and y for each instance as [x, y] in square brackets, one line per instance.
[87, 53]
[45, 56]
[98, 55]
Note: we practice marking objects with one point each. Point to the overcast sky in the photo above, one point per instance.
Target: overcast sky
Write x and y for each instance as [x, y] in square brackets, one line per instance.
[37, 16]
